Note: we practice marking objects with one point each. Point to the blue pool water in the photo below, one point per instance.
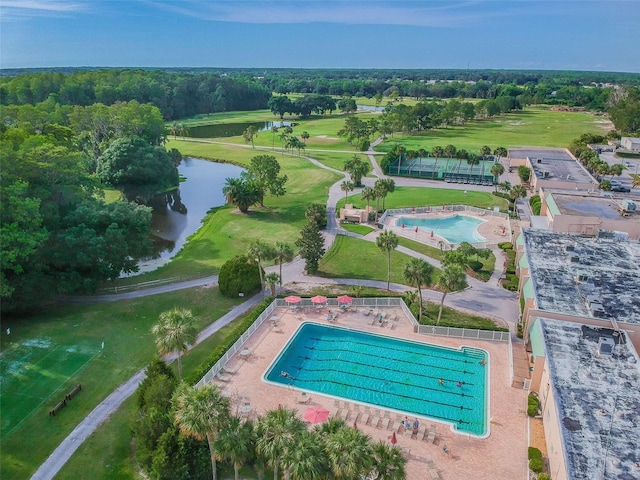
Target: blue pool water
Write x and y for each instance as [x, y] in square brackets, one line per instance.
[456, 229]
[394, 374]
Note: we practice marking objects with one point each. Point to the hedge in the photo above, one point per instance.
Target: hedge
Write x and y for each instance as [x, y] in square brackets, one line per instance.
[535, 460]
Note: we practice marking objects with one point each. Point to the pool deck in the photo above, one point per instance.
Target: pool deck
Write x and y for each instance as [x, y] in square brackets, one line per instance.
[494, 230]
[501, 455]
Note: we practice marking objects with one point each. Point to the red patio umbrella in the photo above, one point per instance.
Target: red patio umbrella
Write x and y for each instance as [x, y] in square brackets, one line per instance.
[316, 414]
[319, 299]
[431, 233]
[416, 229]
[292, 299]
[345, 299]
[355, 425]
[394, 440]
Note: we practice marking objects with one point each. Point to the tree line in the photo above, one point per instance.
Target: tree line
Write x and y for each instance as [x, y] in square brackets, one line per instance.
[177, 95]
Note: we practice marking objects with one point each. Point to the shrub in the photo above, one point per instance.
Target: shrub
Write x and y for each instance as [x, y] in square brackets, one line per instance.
[520, 333]
[536, 204]
[364, 145]
[524, 173]
[238, 275]
[544, 476]
[535, 460]
[533, 405]
[475, 265]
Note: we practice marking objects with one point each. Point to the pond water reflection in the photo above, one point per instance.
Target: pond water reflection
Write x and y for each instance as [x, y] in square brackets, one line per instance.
[177, 215]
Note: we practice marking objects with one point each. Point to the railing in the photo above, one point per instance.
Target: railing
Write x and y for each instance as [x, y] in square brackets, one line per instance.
[464, 333]
[151, 283]
[304, 303]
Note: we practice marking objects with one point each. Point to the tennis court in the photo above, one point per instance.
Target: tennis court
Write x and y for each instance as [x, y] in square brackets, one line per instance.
[450, 170]
[36, 372]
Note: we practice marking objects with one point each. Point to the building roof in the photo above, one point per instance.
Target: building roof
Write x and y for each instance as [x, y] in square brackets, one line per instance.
[598, 399]
[572, 273]
[557, 162]
[595, 205]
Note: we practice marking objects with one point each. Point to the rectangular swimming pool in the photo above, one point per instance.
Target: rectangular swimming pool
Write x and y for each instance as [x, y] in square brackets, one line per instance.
[441, 383]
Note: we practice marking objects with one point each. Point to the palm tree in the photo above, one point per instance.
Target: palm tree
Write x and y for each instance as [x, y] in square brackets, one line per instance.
[450, 150]
[517, 191]
[346, 187]
[384, 186]
[234, 443]
[283, 252]
[437, 152]
[350, 453]
[368, 194]
[271, 280]
[451, 279]
[500, 152]
[175, 332]
[258, 251]
[485, 151]
[389, 462]
[418, 273]
[249, 134]
[357, 168]
[305, 459]
[304, 136]
[504, 186]
[496, 170]
[274, 130]
[231, 188]
[201, 413]
[387, 241]
[635, 183]
[277, 431]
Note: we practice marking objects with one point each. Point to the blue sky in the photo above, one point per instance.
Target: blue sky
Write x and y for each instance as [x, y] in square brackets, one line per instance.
[574, 35]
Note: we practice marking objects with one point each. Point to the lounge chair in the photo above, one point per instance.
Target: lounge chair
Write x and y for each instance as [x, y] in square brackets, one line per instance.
[364, 418]
[230, 370]
[385, 423]
[223, 378]
[304, 399]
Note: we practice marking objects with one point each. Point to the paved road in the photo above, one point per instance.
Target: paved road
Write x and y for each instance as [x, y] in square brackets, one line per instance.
[486, 298]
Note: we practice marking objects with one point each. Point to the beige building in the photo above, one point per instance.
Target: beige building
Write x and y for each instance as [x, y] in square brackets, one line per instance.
[552, 167]
[580, 299]
[356, 215]
[590, 212]
[630, 143]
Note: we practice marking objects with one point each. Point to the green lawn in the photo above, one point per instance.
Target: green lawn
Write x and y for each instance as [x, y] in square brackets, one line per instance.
[405, 197]
[356, 228]
[355, 258]
[29, 434]
[533, 126]
[454, 318]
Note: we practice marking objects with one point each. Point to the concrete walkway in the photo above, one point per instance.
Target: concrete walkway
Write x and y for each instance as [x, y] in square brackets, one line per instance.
[487, 299]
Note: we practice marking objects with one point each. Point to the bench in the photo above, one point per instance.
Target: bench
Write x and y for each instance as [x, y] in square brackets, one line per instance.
[57, 408]
[73, 392]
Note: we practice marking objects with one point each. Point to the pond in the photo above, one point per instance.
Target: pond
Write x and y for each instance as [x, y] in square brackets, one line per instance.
[179, 214]
[232, 129]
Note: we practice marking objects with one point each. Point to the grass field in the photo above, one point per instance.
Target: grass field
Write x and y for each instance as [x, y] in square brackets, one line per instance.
[531, 127]
[351, 257]
[47, 354]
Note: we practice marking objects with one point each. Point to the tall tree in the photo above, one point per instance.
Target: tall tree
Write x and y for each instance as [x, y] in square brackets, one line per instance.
[357, 168]
[264, 171]
[250, 133]
[419, 274]
[485, 151]
[306, 458]
[500, 152]
[517, 192]
[235, 443]
[387, 241]
[346, 187]
[175, 332]
[451, 279]
[271, 280]
[350, 453]
[368, 194]
[283, 252]
[389, 462]
[496, 170]
[311, 245]
[277, 431]
[259, 251]
[242, 192]
[201, 413]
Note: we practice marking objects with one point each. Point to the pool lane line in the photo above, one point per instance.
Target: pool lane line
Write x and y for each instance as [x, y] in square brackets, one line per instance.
[395, 371]
[415, 399]
[388, 381]
[465, 372]
[467, 351]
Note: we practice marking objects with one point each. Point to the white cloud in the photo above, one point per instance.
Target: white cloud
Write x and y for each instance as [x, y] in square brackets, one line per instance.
[412, 13]
[21, 9]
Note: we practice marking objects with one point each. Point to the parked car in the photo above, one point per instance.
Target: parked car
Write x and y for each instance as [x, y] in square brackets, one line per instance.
[620, 188]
